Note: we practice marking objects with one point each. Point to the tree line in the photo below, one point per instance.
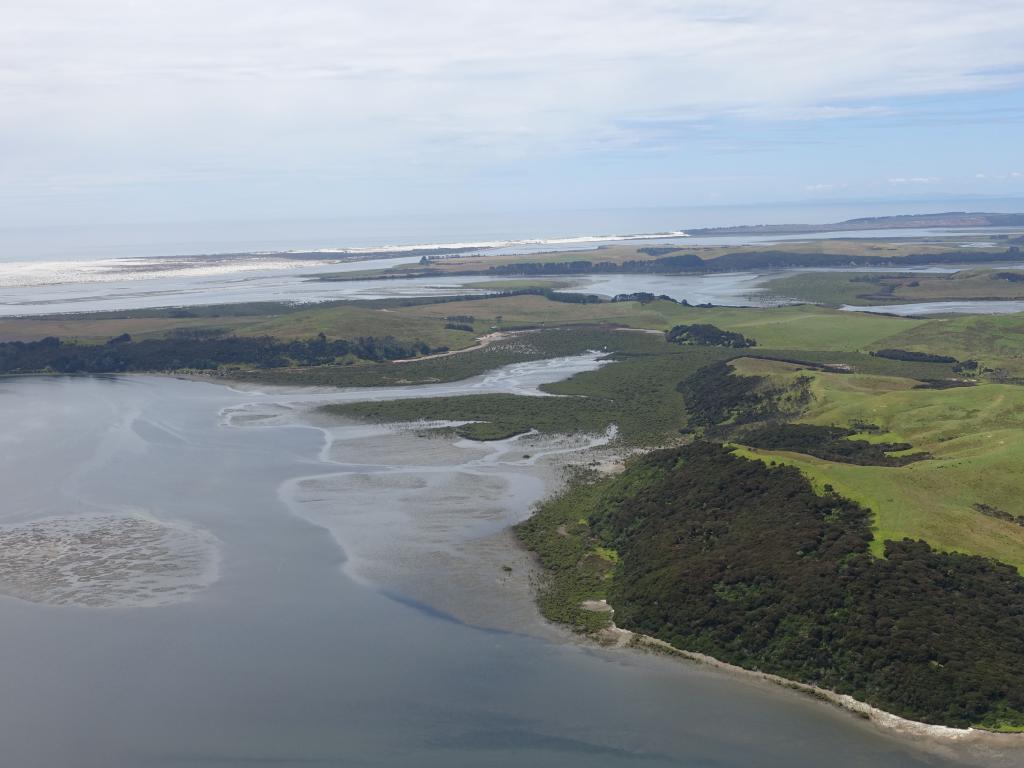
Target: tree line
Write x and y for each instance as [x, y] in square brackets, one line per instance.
[829, 443]
[913, 357]
[715, 394]
[707, 335]
[198, 351]
[677, 262]
[745, 562]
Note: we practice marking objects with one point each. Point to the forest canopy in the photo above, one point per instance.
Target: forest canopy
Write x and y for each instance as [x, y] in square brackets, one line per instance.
[707, 335]
[727, 556]
[194, 350]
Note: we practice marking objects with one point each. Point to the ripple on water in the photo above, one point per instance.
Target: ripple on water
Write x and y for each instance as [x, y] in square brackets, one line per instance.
[106, 561]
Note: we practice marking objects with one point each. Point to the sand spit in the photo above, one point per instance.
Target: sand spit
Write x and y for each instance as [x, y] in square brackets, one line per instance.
[617, 637]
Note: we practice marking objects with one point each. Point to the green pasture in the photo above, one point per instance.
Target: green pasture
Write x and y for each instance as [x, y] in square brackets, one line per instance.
[976, 438]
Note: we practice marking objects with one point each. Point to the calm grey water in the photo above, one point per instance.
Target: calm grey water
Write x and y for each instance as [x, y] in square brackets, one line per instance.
[284, 660]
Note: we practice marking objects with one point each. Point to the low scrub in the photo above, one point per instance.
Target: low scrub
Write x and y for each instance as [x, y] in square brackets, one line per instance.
[197, 350]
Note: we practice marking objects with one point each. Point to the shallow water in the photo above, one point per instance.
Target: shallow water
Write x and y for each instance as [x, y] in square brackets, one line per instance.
[295, 285]
[922, 308]
[730, 289]
[295, 655]
[40, 287]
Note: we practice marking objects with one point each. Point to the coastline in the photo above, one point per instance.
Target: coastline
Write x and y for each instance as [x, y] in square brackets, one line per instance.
[607, 460]
[617, 637]
[361, 454]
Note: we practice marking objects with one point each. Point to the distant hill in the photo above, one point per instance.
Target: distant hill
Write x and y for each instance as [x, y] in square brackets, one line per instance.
[913, 221]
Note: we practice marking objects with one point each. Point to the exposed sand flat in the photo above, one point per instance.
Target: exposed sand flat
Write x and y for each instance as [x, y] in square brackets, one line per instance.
[421, 514]
[105, 561]
[427, 518]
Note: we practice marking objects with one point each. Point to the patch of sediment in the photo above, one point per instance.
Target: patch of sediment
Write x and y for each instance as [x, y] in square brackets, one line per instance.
[428, 518]
[106, 561]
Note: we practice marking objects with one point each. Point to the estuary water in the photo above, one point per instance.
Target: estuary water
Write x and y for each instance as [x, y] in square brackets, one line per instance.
[20, 297]
[208, 576]
[85, 280]
[925, 308]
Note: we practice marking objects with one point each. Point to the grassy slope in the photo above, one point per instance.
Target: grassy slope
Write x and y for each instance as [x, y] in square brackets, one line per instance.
[803, 327]
[798, 327]
[830, 289]
[996, 340]
[335, 320]
[976, 435]
[834, 289]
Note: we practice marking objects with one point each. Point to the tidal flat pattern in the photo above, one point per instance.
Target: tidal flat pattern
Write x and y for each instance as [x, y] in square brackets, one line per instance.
[105, 561]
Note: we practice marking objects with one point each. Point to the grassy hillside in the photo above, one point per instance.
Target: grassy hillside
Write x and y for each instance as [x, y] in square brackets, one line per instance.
[336, 320]
[837, 288]
[974, 434]
[804, 327]
[996, 340]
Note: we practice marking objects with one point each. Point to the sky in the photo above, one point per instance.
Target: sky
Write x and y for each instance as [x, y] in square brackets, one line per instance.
[194, 110]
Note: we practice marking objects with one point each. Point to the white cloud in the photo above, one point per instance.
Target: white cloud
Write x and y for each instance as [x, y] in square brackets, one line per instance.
[824, 187]
[363, 88]
[915, 180]
[525, 68]
[1000, 176]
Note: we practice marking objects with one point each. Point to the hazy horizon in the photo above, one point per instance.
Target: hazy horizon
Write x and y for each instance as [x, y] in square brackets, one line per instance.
[134, 112]
[103, 239]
